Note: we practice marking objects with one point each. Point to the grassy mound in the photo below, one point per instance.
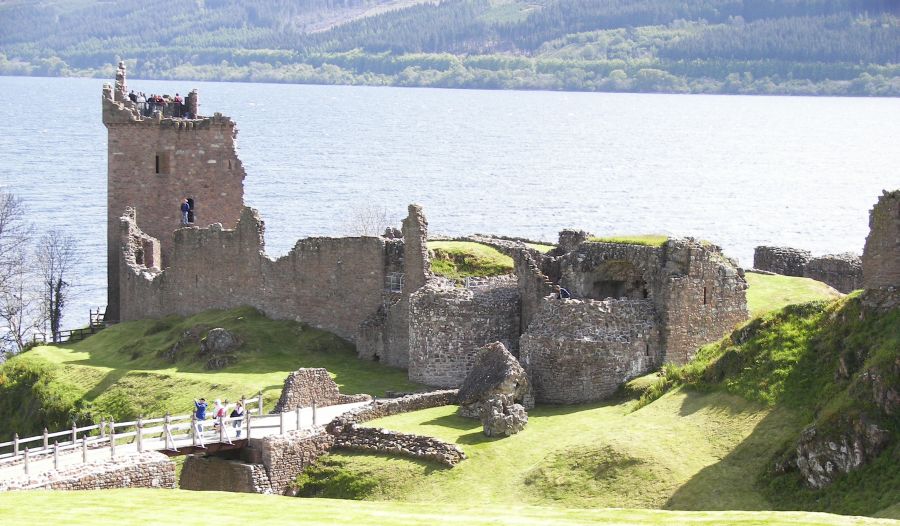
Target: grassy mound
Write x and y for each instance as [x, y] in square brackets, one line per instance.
[770, 293]
[154, 366]
[650, 240]
[125, 507]
[461, 259]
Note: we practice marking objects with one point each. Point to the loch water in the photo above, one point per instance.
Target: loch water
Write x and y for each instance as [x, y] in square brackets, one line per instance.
[736, 170]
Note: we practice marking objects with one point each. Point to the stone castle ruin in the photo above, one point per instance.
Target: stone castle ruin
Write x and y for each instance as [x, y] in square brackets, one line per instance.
[632, 307]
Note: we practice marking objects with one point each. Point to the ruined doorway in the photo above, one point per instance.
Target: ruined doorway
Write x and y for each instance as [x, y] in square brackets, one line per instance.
[191, 211]
[615, 280]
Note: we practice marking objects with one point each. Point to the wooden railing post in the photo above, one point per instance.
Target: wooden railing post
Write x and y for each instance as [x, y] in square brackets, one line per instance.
[194, 428]
[74, 432]
[15, 444]
[314, 413]
[298, 418]
[56, 455]
[139, 428]
[84, 449]
[260, 402]
[112, 437]
[221, 429]
[46, 444]
[166, 432]
[280, 423]
[26, 460]
[247, 413]
[102, 427]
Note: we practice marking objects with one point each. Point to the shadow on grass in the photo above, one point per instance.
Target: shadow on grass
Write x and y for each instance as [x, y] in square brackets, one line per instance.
[476, 437]
[111, 378]
[453, 421]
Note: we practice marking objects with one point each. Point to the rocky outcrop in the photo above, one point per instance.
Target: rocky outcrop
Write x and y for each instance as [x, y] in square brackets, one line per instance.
[496, 373]
[308, 386]
[218, 348]
[821, 456]
[500, 416]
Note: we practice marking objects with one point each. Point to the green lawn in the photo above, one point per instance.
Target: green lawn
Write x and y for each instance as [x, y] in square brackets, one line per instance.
[461, 259]
[769, 293]
[121, 372]
[687, 450]
[164, 507]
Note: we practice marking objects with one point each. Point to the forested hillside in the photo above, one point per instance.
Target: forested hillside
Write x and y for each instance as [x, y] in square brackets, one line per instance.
[840, 47]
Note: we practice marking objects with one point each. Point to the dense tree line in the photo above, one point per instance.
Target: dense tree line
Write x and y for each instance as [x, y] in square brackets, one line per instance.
[765, 46]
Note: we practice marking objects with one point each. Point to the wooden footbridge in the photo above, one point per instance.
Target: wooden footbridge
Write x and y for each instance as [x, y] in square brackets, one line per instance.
[171, 435]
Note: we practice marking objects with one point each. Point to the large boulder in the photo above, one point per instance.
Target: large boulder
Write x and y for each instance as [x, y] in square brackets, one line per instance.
[501, 417]
[496, 372]
[218, 348]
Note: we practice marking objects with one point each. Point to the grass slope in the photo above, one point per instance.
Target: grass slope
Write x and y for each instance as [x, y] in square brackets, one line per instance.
[650, 240]
[769, 293]
[123, 507]
[122, 372]
[461, 259]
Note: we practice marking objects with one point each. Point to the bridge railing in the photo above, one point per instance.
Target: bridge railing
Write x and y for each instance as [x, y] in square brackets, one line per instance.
[175, 431]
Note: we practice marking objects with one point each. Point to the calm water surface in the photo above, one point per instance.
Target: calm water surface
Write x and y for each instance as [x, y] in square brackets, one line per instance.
[740, 171]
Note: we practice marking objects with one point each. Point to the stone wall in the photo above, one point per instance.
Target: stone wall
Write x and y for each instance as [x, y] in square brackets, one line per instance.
[201, 473]
[305, 387]
[330, 283]
[533, 285]
[702, 298]
[448, 324]
[579, 351]
[286, 456]
[144, 470]
[392, 406]
[375, 440]
[153, 164]
[841, 271]
[786, 261]
[881, 256]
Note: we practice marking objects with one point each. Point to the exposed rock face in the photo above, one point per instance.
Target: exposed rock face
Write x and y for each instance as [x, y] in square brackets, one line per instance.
[496, 373]
[822, 457]
[218, 348]
[501, 417]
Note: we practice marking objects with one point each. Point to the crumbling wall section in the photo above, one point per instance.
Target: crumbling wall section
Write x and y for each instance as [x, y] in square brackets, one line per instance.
[447, 325]
[702, 298]
[881, 256]
[841, 271]
[533, 286]
[376, 440]
[580, 351]
[308, 386]
[786, 261]
[286, 456]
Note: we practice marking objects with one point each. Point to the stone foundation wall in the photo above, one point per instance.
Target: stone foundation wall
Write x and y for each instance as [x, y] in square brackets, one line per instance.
[376, 440]
[286, 456]
[304, 387]
[201, 473]
[145, 470]
[448, 324]
[881, 256]
[841, 271]
[392, 406]
[580, 351]
[781, 260]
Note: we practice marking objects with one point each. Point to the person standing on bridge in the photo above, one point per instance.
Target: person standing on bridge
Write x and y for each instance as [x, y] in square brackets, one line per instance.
[200, 413]
[237, 413]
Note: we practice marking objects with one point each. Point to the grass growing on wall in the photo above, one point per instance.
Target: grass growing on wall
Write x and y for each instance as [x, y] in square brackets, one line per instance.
[461, 259]
[540, 247]
[767, 293]
[650, 240]
[123, 371]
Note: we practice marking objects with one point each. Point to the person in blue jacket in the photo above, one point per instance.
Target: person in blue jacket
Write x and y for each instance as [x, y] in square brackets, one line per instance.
[185, 209]
[200, 413]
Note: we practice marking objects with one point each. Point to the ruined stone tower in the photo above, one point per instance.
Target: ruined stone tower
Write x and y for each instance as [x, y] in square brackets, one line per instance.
[155, 160]
[881, 256]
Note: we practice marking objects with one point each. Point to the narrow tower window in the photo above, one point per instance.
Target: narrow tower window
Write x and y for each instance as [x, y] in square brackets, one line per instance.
[162, 163]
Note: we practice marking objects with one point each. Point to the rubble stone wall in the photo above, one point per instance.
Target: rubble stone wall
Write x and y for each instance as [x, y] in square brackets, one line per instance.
[781, 260]
[304, 387]
[201, 473]
[448, 324]
[286, 456]
[881, 256]
[393, 406]
[375, 440]
[579, 351]
[144, 470]
[841, 271]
